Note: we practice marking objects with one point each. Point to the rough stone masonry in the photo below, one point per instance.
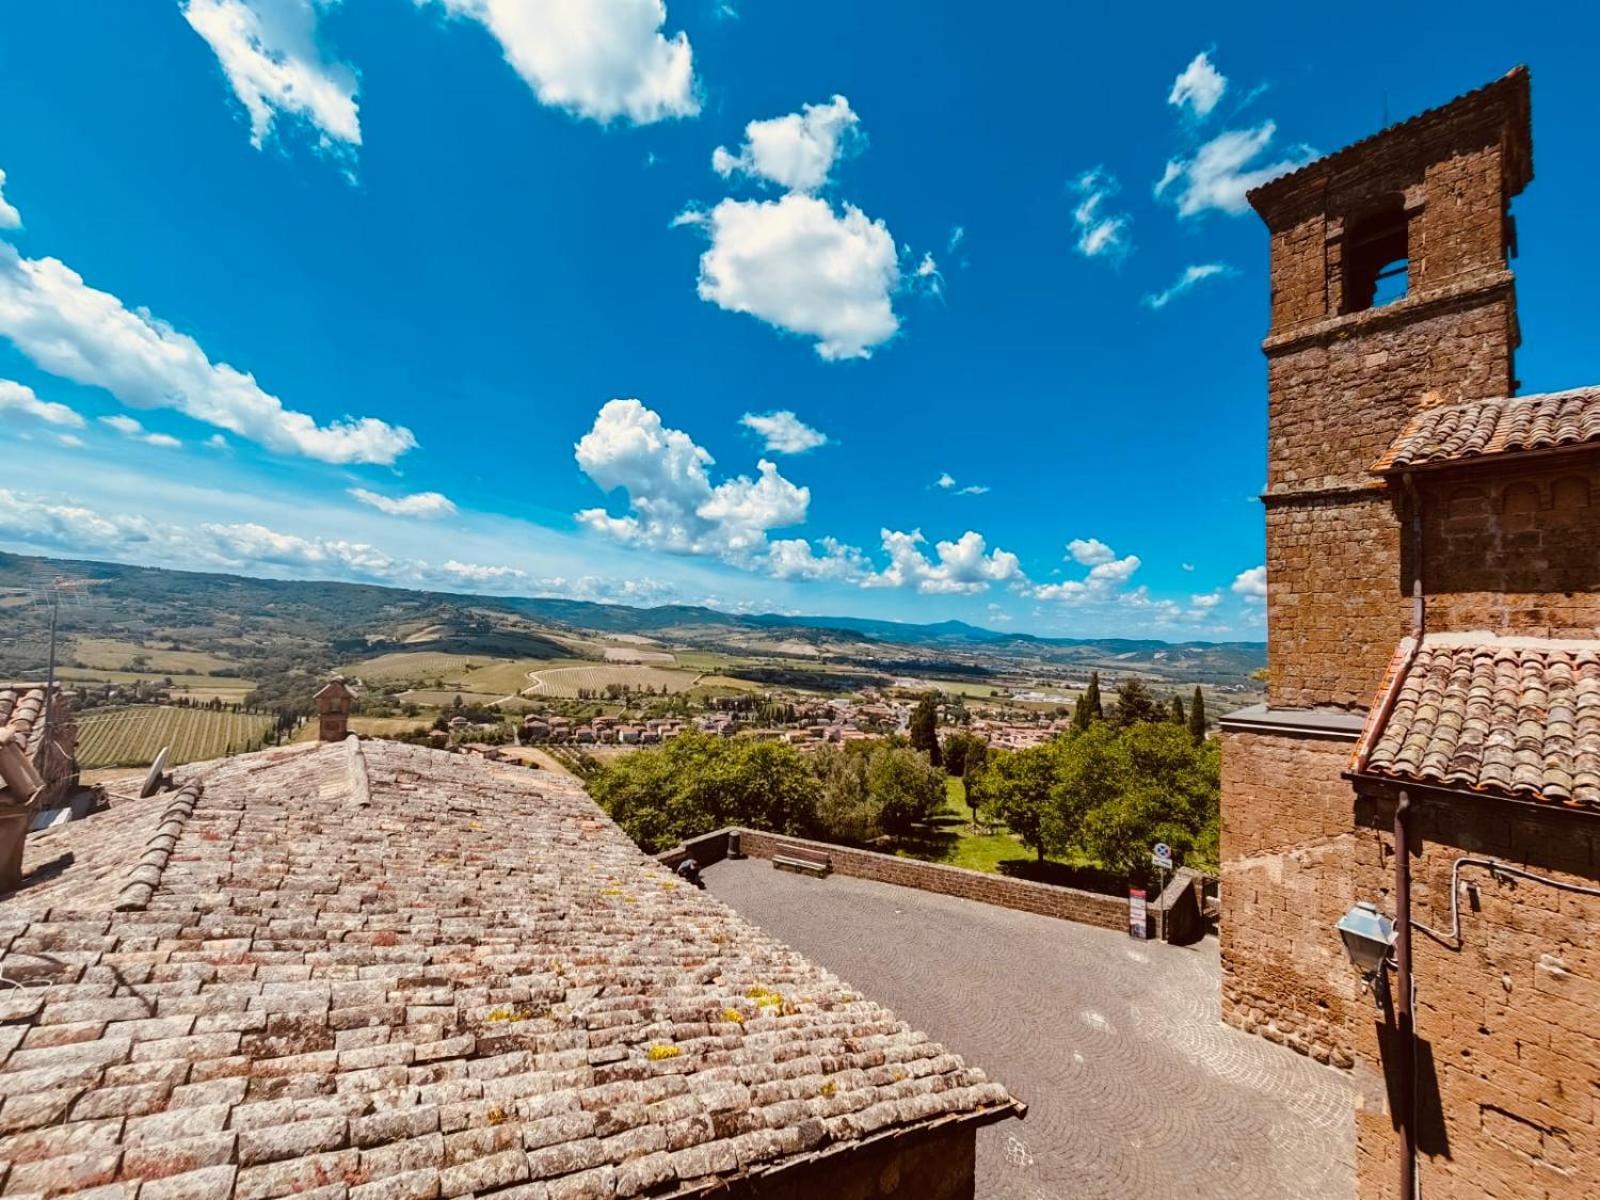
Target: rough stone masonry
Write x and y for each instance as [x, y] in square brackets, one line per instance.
[1481, 542]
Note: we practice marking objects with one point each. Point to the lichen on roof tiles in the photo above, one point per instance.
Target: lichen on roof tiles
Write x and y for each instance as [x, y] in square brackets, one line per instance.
[405, 969]
[1515, 717]
[1454, 433]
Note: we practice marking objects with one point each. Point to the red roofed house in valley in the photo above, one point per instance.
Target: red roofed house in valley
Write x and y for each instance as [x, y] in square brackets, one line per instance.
[1431, 739]
[369, 971]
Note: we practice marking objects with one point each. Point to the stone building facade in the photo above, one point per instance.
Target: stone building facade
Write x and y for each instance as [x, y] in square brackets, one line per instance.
[1433, 569]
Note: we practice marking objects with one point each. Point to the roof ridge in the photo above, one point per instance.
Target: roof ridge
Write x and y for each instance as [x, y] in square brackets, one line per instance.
[145, 876]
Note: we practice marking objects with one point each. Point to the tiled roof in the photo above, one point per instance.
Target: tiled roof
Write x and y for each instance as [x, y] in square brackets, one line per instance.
[1456, 432]
[394, 972]
[1514, 717]
[22, 712]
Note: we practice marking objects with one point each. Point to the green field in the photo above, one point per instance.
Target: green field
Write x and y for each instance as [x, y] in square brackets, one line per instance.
[493, 677]
[196, 687]
[133, 736]
[566, 681]
[111, 654]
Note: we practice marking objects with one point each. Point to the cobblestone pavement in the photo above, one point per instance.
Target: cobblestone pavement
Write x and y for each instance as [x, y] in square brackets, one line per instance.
[1135, 1088]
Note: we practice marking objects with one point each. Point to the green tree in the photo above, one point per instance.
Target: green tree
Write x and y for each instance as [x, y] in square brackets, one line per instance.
[1197, 716]
[1177, 711]
[1087, 710]
[1015, 787]
[958, 749]
[1135, 704]
[1161, 788]
[924, 728]
[905, 788]
[846, 811]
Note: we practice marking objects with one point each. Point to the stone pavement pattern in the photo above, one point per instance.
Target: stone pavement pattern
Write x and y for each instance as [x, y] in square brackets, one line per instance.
[1134, 1087]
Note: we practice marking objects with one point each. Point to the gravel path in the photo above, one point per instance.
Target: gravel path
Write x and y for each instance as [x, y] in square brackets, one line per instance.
[1134, 1087]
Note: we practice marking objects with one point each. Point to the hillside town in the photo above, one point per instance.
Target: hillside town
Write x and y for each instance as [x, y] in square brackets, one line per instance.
[369, 886]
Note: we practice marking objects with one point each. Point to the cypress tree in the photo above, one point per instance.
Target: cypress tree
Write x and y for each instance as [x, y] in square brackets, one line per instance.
[1177, 710]
[1197, 716]
[1089, 704]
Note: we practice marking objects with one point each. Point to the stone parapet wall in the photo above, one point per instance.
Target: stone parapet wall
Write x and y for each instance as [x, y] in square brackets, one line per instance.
[1067, 904]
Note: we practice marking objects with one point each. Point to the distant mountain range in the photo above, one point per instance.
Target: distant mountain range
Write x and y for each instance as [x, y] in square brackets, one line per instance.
[142, 600]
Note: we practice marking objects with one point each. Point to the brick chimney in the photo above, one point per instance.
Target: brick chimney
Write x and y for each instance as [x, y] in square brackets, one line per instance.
[1390, 291]
[333, 711]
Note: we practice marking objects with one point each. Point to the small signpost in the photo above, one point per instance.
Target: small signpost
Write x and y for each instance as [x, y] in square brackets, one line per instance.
[1161, 856]
[1138, 924]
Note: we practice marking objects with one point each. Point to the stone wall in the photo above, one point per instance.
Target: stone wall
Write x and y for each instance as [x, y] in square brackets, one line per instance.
[938, 1165]
[1510, 1022]
[1518, 551]
[1068, 904]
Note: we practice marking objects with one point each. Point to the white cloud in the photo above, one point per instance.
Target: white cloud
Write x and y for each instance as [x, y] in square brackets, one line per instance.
[1101, 232]
[958, 234]
[90, 337]
[1107, 575]
[796, 264]
[1206, 602]
[130, 428]
[19, 398]
[1251, 584]
[268, 50]
[964, 566]
[418, 504]
[68, 526]
[250, 543]
[672, 504]
[1224, 169]
[794, 558]
[1198, 87]
[796, 151]
[1187, 566]
[10, 218]
[946, 480]
[600, 59]
[70, 440]
[1090, 552]
[1190, 277]
[783, 432]
[479, 573]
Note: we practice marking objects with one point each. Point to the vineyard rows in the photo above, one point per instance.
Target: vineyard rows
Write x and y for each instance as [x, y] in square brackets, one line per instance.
[133, 736]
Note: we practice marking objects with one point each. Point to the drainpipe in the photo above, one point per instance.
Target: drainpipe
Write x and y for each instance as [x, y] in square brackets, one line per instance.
[1405, 1027]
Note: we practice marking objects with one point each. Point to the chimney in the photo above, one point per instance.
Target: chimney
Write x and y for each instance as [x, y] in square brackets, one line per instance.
[333, 711]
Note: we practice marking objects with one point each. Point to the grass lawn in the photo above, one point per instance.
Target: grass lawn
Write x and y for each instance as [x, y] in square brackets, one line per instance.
[951, 839]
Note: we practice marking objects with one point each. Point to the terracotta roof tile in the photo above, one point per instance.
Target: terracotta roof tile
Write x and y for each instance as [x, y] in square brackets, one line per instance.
[1457, 432]
[1514, 717]
[403, 972]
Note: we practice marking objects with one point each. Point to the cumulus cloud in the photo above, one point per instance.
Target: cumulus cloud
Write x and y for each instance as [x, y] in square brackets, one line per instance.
[1191, 276]
[19, 398]
[794, 558]
[1102, 233]
[1207, 602]
[1224, 169]
[1090, 552]
[963, 566]
[10, 218]
[269, 52]
[91, 337]
[418, 504]
[601, 59]
[479, 573]
[672, 504]
[783, 432]
[130, 428]
[68, 526]
[1251, 584]
[1198, 87]
[796, 151]
[798, 265]
[1107, 575]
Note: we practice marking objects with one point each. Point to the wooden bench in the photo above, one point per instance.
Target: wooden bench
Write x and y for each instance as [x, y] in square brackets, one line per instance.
[801, 864]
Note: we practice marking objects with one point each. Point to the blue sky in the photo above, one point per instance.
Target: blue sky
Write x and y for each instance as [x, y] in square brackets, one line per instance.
[826, 307]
